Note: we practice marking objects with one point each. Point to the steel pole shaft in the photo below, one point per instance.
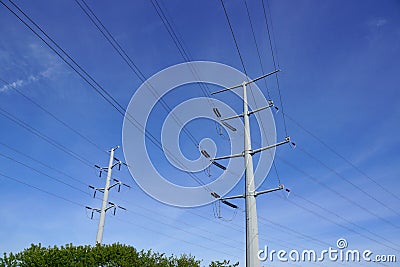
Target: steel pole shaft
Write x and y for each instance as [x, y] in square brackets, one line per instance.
[252, 245]
[100, 230]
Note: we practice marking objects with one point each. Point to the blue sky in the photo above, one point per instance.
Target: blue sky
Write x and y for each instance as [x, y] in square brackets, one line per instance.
[339, 80]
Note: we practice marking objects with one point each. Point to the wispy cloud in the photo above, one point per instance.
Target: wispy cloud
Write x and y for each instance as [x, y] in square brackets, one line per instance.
[378, 22]
[32, 78]
[9, 86]
[34, 65]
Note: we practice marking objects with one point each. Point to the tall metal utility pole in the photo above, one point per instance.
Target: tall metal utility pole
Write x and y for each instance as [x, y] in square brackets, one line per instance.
[252, 245]
[250, 200]
[103, 210]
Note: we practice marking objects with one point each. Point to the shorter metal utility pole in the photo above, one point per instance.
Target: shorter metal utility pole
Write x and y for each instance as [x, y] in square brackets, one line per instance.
[106, 205]
[103, 210]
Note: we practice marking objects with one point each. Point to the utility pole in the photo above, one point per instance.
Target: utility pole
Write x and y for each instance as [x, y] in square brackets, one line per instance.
[252, 245]
[250, 200]
[100, 230]
[106, 205]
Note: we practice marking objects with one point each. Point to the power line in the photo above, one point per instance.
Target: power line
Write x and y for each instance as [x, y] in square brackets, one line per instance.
[190, 225]
[275, 225]
[104, 94]
[348, 181]
[333, 213]
[44, 174]
[153, 218]
[266, 86]
[60, 181]
[110, 38]
[308, 237]
[354, 203]
[173, 237]
[77, 180]
[170, 30]
[186, 56]
[274, 240]
[331, 149]
[350, 222]
[233, 36]
[230, 225]
[53, 116]
[184, 53]
[81, 205]
[40, 162]
[148, 217]
[128, 60]
[312, 178]
[44, 137]
[179, 43]
[40, 189]
[237, 48]
[245, 71]
[252, 244]
[99, 89]
[340, 225]
[268, 31]
[275, 65]
[255, 42]
[293, 231]
[257, 48]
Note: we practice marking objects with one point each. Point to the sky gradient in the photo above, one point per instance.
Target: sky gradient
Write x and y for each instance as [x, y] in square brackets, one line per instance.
[340, 81]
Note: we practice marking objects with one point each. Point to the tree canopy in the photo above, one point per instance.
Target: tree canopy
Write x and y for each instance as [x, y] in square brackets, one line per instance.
[114, 255]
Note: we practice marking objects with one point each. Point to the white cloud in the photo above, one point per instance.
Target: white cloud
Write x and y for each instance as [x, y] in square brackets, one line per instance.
[32, 78]
[47, 73]
[378, 22]
[12, 85]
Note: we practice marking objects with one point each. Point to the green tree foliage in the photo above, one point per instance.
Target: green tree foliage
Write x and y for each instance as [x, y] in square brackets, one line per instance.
[224, 263]
[115, 255]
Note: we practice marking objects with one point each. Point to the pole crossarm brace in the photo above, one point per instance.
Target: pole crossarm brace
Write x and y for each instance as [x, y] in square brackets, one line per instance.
[246, 83]
[116, 183]
[105, 169]
[223, 122]
[270, 105]
[113, 149]
[205, 154]
[224, 199]
[233, 117]
[280, 187]
[233, 197]
[93, 210]
[287, 140]
[119, 183]
[95, 190]
[229, 157]
[215, 195]
[227, 125]
[114, 206]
